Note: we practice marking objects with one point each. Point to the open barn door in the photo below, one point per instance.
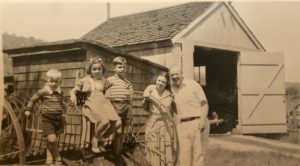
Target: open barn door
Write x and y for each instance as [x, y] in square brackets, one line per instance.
[261, 93]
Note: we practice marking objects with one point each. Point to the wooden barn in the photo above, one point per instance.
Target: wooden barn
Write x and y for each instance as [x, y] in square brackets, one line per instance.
[31, 63]
[244, 83]
[71, 57]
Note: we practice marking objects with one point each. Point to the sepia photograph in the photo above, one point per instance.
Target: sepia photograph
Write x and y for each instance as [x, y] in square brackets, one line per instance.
[150, 83]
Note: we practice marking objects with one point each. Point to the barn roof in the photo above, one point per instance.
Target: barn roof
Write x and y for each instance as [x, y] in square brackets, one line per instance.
[162, 25]
[157, 25]
[69, 45]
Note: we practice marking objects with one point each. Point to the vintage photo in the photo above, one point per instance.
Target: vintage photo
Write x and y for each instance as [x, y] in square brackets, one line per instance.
[150, 83]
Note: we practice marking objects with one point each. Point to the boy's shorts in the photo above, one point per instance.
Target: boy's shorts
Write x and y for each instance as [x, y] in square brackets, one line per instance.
[52, 124]
[123, 108]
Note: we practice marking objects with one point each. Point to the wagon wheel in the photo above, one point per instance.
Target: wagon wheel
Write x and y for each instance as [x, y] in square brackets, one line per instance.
[158, 145]
[18, 104]
[11, 139]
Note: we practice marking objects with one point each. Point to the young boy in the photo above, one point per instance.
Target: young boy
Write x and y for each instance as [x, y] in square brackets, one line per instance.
[51, 113]
[119, 92]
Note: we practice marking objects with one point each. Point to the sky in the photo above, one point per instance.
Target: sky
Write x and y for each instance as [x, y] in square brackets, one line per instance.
[276, 24]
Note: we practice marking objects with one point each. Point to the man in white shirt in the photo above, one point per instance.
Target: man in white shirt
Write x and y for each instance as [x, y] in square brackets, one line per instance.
[193, 126]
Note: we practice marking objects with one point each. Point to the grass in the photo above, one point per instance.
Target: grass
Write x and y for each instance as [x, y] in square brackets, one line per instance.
[223, 157]
[260, 144]
[290, 137]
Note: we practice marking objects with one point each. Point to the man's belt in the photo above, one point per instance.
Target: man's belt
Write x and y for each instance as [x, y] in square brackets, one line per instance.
[189, 118]
[120, 101]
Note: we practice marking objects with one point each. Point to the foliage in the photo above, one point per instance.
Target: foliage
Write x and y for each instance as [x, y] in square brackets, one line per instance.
[14, 41]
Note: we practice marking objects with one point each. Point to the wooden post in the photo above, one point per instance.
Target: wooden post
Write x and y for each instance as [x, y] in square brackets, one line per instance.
[108, 10]
[1, 92]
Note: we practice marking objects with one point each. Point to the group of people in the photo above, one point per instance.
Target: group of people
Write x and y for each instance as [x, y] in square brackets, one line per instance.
[108, 105]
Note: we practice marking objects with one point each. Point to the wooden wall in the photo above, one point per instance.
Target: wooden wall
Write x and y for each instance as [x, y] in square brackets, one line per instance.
[139, 73]
[221, 28]
[156, 55]
[29, 71]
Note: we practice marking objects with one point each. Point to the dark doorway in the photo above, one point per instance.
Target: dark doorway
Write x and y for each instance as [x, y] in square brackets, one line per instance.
[216, 71]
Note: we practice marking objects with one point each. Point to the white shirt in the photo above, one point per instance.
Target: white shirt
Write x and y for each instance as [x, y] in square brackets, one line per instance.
[188, 99]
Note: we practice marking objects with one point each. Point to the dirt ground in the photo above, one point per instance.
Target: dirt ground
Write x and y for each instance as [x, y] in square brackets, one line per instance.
[223, 150]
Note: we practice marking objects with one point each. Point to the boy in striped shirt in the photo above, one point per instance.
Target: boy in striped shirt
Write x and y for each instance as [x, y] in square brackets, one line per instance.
[119, 92]
[51, 113]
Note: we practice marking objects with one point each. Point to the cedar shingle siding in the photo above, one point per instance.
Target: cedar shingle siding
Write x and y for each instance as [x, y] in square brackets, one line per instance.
[31, 63]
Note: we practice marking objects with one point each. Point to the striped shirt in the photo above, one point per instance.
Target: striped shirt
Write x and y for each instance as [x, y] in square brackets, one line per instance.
[118, 88]
[51, 101]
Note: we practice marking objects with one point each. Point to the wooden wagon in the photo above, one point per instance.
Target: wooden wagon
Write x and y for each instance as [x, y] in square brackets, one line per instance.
[21, 138]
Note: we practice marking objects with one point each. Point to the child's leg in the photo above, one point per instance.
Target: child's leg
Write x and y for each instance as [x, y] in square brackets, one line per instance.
[113, 127]
[49, 158]
[98, 136]
[53, 146]
[101, 127]
[117, 144]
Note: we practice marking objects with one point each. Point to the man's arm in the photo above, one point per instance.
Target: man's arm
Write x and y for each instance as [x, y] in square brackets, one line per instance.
[203, 102]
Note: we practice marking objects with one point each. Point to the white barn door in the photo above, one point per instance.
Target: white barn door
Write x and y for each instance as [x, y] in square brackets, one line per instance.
[261, 93]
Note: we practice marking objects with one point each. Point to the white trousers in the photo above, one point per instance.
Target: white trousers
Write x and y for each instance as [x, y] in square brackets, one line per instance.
[192, 143]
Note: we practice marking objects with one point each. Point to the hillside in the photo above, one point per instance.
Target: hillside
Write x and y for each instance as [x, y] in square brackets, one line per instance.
[13, 41]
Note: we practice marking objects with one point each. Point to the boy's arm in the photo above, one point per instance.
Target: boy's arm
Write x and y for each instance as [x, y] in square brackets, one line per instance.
[38, 95]
[130, 112]
[131, 94]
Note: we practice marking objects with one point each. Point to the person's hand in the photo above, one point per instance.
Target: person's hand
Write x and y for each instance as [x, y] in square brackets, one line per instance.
[148, 91]
[73, 100]
[201, 125]
[27, 114]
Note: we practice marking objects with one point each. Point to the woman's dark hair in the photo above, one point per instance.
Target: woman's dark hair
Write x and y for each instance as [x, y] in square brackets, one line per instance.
[95, 61]
[166, 75]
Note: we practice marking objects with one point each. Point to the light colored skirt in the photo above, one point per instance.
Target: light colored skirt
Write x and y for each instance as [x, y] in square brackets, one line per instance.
[98, 108]
[158, 141]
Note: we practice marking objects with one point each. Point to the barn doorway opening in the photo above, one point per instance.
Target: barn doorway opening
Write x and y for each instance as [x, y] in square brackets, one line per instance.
[216, 71]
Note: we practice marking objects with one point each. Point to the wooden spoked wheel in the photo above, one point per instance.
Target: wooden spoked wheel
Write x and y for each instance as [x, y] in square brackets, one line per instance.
[11, 140]
[151, 139]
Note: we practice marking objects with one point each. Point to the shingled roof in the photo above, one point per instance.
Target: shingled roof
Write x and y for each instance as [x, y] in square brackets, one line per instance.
[156, 25]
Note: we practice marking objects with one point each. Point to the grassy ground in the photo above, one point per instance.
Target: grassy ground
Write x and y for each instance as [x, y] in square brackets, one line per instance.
[224, 157]
[290, 137]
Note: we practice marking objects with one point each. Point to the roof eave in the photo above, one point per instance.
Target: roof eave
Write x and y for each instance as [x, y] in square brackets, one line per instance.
[195, 22]
[146, 45]
[244, 26]
[214, 7]
[42, 46]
